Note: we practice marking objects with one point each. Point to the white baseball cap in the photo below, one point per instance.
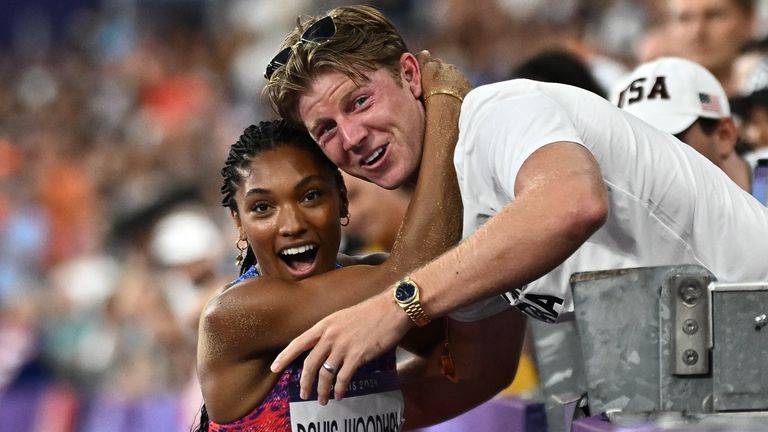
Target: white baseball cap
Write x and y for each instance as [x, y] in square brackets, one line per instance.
[185, 236]
[670, 93]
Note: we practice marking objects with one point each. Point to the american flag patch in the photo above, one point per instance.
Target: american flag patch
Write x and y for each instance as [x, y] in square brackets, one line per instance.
[709, 102]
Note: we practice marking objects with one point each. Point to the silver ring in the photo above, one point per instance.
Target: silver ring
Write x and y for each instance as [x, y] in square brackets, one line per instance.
[329, 368]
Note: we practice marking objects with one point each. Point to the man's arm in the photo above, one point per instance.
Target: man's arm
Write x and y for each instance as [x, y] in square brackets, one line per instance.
[560, 201]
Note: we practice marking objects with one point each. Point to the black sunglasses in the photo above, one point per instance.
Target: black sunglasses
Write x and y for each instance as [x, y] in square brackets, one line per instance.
[322, 30]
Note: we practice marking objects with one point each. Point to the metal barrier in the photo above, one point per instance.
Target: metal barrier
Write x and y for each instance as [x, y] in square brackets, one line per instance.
[655, 340]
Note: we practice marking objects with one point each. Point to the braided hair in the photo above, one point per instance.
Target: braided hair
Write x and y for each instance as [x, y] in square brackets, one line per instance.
[256, 139]
[268, 135]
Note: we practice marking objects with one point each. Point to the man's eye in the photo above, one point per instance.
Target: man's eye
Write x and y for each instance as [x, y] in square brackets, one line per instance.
[361, 101]
[324, 133]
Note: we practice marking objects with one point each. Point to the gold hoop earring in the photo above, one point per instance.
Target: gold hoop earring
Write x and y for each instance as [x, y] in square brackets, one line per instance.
[242, 249]
[346, 220]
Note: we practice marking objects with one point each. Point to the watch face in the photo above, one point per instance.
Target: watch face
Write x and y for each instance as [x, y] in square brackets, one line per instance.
[405, 291]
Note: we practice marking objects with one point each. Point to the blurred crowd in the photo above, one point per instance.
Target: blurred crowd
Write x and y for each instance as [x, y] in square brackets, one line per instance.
[115, 120]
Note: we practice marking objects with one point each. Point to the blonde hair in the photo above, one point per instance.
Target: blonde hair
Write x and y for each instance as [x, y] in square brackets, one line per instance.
[365, 40]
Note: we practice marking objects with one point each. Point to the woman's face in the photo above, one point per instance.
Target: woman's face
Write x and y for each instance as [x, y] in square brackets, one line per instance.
[288, 207]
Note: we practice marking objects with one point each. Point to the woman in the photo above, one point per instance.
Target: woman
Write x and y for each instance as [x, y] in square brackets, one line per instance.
[287, 200]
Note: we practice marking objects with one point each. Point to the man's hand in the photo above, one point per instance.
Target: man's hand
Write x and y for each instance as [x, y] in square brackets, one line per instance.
[344, 341]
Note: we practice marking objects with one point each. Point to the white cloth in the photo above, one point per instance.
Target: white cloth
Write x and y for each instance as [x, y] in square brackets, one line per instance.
[755, 155]
[668, 205]
[480, 309]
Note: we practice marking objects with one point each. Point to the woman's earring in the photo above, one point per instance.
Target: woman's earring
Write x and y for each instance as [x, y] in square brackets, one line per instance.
[345, 220]
[242, 249]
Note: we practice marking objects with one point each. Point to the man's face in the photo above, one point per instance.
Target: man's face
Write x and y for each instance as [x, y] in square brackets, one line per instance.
[756, 126]
[705, 144]
[709, 32]
[374, 131]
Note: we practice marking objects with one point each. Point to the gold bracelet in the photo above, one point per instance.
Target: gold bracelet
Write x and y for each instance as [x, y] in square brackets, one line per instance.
[445, 91]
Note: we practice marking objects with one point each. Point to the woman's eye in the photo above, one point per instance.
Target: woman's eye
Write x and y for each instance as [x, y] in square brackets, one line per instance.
[312, 195]
[260, 208]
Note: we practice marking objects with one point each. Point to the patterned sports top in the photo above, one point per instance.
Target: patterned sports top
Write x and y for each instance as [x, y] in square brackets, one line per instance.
[373, 401]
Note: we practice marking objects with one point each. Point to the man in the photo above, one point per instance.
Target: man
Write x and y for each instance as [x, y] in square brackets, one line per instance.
[553, 178]
[431, 225]
[683, 98]
[751, 104]
[711, 33]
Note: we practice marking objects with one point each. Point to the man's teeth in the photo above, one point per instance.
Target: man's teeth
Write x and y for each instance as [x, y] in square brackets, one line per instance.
[375, 154]
[297, 250]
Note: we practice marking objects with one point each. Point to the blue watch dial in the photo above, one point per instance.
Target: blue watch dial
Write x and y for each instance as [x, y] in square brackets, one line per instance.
[405, 291]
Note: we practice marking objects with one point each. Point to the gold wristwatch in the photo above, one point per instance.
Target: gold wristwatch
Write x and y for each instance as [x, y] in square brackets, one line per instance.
[406, 294]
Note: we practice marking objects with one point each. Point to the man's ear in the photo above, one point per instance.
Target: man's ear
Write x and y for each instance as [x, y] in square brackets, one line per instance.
[727, 135]
[410, 73]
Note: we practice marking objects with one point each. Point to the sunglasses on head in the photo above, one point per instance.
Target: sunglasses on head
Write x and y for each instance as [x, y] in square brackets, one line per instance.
[318, 32]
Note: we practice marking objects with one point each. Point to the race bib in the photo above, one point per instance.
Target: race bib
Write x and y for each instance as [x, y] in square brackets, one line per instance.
[373, 403]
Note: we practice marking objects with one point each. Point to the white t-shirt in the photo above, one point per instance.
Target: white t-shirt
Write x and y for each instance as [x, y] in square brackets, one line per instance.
[668, 205]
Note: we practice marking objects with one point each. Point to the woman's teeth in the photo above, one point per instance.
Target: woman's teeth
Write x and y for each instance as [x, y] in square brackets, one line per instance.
[297, 250]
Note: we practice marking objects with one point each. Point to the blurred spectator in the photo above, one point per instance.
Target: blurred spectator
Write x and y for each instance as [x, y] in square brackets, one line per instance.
[747, 67]
[375, 215]
[683, 98]
[559, 66]
[611, 30]
[189, 246]
[751, 103]
[24, 227]
[78, 344]
[654, 44]
[487, 38]
[711, 33]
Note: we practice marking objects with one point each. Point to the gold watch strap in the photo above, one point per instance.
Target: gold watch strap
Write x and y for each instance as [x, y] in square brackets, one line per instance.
[417, 314]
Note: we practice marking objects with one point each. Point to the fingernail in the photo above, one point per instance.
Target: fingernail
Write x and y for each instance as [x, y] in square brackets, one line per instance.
[303, 394]
[274, 367]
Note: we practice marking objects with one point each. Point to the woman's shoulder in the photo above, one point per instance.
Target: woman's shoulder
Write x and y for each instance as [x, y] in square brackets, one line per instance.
[250, 273]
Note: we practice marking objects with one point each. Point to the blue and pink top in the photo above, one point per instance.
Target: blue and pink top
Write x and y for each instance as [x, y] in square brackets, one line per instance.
[373, 401]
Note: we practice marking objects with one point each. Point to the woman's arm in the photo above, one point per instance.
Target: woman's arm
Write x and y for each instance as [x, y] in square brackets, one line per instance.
[373, 258]
[485, 354]
[277, 311]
